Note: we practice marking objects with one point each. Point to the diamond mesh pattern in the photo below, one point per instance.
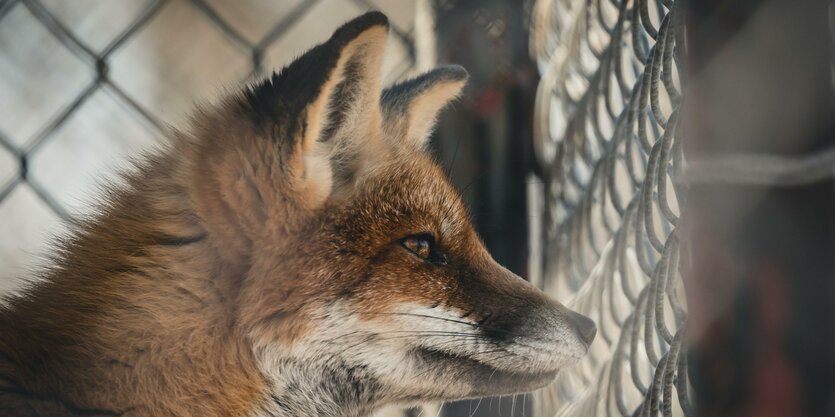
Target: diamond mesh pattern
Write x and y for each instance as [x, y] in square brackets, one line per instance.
[607, 142]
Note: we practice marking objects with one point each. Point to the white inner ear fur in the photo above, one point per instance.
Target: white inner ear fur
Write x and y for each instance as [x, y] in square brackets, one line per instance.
[424, 109]
[362, 121]
[318, 175]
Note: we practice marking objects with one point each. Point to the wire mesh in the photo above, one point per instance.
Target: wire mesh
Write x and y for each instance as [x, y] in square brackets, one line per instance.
[609, 155]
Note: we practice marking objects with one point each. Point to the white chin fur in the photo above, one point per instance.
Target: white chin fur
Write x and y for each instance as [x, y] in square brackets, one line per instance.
[385, 344]
[447, 332]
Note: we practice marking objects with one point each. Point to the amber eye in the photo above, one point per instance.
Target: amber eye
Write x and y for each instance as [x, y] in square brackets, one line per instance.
[423, 246]
[419, 245]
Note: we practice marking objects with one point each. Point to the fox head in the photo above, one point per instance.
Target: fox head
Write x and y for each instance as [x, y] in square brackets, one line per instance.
[364, 282]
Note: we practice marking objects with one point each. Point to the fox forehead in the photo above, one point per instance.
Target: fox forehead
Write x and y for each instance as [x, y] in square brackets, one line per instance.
[410, 194]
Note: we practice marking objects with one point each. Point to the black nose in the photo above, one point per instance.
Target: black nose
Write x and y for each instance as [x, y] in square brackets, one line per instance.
[585, 328]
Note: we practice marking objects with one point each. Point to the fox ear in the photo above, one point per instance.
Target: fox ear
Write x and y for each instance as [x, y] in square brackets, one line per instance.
[344, 118]
[410, 108]
[307, 126]
[332, 94]
[348, 100]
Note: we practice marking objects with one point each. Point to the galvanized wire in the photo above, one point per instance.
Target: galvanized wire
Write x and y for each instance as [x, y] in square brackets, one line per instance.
[607, 144]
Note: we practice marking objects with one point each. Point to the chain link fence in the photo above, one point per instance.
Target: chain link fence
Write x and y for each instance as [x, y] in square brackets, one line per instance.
[89, 84]
[606, 208]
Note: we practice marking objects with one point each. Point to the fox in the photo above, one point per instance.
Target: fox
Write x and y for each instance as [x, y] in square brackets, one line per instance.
[294, 251]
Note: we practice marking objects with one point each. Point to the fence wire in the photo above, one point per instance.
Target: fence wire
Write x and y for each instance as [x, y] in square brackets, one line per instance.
[607, 144]
[98, 62]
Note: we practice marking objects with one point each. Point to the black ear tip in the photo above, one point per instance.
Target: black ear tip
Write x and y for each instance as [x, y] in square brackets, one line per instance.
[358, 25]
[372, 18]
[452, 73]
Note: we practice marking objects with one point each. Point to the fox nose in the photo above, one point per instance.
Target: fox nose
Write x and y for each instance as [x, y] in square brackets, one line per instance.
[586, 328]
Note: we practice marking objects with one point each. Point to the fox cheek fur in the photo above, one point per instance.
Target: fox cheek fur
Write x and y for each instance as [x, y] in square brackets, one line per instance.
[295, 253]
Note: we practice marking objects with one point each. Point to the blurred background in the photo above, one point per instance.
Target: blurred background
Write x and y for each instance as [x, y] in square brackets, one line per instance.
[578, 148]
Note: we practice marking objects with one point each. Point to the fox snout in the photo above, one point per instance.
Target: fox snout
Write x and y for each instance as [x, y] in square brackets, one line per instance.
[535, 327]
[552, 323]
[586, 328]
[495, 331]
[548, 336]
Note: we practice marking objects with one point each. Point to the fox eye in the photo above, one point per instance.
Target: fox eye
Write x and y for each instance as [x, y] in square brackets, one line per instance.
[420, 245]
[423, 246]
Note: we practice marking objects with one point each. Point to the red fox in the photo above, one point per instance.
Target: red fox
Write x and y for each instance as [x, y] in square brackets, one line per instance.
[295, 252]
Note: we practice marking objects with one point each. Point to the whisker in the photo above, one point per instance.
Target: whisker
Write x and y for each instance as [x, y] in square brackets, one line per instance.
[427, 316]
[371, 337]
[411, 333]
[454, 155]
[423, 316]
[476, 407]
